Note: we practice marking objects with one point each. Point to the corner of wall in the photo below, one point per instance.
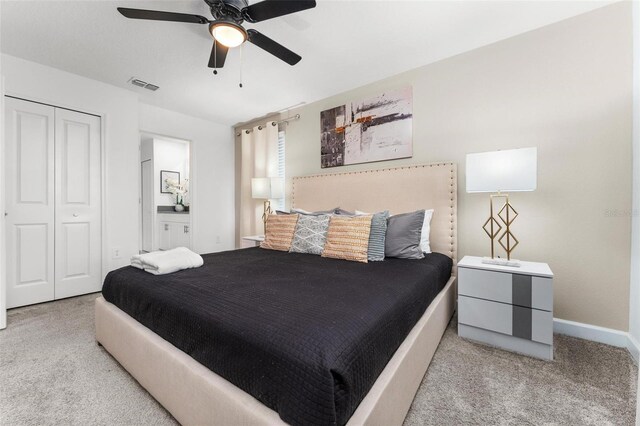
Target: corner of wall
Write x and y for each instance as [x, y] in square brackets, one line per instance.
[634, 285]
[3, 288]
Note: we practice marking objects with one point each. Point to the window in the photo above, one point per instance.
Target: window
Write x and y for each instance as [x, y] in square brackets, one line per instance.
[279, 204]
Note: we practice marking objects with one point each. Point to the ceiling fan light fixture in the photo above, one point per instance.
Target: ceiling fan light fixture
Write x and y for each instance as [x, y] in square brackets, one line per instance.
[227, 33]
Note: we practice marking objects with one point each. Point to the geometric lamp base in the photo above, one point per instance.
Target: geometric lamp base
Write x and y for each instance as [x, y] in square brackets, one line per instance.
[501, 261]
[492, 227]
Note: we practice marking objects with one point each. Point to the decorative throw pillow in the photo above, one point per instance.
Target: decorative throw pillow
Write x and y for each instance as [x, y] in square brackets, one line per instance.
[318, 213]
[426, 230]
[348, 238]
[377, 235]
[310, 234]
[343, 212]
[279, 233]
[403, 235]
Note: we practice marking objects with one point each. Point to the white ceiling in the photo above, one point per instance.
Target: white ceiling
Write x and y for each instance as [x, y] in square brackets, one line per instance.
[344, 44]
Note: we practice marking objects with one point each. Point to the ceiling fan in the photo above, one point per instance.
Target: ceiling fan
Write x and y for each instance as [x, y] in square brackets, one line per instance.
[226, 27]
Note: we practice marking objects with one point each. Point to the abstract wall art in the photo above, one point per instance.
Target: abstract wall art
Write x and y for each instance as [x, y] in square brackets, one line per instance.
[374, 129]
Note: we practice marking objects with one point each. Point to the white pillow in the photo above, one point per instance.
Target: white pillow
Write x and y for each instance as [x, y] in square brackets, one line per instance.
[426, 229]
[302, 211]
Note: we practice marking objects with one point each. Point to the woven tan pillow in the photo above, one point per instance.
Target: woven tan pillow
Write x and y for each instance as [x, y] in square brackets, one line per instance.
[348, 238]
[280, 229]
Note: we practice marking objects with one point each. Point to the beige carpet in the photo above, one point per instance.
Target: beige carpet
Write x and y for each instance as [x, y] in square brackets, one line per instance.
[52, 372]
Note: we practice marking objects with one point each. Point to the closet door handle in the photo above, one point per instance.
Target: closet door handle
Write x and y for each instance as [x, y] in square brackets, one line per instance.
[75, 215]
[166, 227]
[186, 229]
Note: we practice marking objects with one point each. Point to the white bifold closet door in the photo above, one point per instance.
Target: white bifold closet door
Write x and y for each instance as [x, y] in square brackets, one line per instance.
[30, 202]
[78, 200]
[53, 199]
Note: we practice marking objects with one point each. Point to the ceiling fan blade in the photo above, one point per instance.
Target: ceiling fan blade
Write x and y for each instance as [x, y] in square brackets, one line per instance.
[276, 49]
[157, 15]
[218, 55]
[268, 9]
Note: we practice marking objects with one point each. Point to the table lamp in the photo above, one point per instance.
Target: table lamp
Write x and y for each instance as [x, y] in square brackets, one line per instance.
[267, 189]
[501, 172]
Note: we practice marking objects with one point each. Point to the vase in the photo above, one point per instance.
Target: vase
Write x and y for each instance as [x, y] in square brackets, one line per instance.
[178, 208]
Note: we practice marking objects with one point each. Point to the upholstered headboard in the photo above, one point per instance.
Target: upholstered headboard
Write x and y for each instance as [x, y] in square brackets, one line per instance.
[399, 190]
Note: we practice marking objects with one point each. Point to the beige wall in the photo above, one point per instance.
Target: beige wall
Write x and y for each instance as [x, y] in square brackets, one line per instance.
[566, 89]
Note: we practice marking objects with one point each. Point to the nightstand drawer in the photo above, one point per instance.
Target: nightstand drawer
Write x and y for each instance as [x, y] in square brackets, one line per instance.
[513, 288]
[488, 285]
[251, 241]
[517, 321]
[248, 243]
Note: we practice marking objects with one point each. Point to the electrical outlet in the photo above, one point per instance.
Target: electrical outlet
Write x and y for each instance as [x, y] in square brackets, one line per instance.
[115, 253]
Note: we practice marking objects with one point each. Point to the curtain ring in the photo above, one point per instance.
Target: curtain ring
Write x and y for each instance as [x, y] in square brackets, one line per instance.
[247, 131]
[259, 127]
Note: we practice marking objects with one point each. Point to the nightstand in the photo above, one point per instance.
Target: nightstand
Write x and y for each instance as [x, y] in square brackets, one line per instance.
[251, 241]
[508, 307]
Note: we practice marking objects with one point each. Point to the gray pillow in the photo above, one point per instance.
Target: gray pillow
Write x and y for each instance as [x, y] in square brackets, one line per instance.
[304, 212]
[377, 236]
[343, 212]
[310, 234]
[403, 236]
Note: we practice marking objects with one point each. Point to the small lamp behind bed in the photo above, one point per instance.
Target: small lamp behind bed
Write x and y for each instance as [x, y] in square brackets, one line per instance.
[513, 170]
[267, 189]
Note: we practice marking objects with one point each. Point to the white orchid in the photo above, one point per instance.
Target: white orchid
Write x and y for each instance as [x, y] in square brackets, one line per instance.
[177, 189]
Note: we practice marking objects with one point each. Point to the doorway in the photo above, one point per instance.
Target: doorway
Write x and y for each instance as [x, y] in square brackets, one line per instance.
[166, 198]
[147, 205]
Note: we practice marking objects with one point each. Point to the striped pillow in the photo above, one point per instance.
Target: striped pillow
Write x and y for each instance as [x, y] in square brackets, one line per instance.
[377, 235]
[348, 238]
[280, 229]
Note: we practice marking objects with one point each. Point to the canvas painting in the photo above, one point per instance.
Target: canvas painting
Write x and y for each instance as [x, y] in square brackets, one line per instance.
[374, 129]
[168, 174]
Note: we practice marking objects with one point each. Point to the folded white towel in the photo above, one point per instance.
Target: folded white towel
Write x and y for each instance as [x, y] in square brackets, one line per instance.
[136, 262]
[167, 262]
[139, 259]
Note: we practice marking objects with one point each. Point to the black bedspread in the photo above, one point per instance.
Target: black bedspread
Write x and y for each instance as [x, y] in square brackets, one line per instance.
[305, 335]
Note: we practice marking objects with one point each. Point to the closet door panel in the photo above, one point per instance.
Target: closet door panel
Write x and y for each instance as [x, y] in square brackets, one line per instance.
[78, 204]
[32, 257]
[29, 202]
[32, 141]
[76, 163]
[76, 239]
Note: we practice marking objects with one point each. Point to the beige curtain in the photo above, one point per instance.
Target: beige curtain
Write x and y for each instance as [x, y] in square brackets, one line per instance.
[259, 158]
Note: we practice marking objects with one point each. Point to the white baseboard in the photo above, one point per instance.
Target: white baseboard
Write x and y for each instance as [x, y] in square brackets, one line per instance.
[634, 350]
[608, 336]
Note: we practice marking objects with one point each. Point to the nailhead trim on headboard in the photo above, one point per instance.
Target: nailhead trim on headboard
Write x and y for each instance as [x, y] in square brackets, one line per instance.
[452, 192]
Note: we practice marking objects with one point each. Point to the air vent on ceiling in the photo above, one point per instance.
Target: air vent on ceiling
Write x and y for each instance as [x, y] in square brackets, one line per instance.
[143, 84]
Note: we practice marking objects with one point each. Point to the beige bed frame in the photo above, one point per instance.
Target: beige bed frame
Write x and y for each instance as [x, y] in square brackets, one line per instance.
[195, 395]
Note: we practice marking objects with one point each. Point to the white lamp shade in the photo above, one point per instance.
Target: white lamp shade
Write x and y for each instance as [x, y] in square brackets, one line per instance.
[267, 188]
[510, 170]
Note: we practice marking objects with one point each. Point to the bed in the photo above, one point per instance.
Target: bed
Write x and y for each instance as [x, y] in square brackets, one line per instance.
[242, 341]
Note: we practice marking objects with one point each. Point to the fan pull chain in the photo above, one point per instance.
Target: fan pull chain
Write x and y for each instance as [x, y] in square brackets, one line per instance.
[215, 56]
[241, 49]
